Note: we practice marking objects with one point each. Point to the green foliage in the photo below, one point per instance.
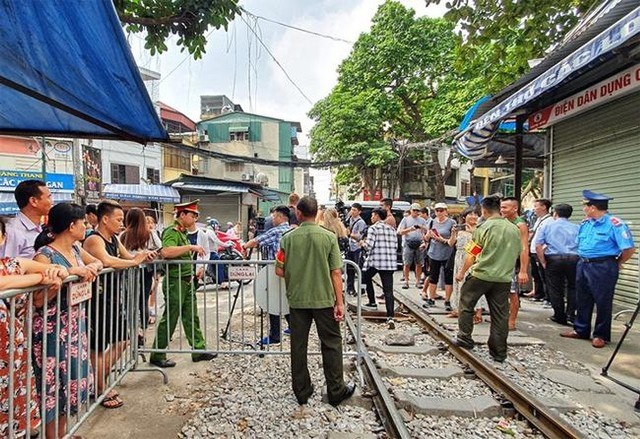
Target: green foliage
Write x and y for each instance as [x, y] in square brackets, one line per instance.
[190, 20]
[399, 82]
[511, 32]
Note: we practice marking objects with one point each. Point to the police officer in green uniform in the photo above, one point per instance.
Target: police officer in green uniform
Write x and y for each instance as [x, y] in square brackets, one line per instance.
[604, 244]
[179, 296]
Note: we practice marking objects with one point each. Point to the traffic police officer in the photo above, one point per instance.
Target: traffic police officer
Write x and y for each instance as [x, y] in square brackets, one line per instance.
[604, 244]
[179, 296]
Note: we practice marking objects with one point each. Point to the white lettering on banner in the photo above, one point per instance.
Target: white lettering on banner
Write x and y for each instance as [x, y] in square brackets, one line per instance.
[624, 82]
[79, 292]
[614, 36]
[239, 272]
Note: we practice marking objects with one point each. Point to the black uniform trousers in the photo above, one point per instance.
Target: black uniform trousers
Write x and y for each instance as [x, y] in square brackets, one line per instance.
[537, 273]
[330, 345]
[560, 276]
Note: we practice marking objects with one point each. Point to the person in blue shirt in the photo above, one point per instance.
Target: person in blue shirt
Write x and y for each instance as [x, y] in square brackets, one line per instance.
[556, 247]
[604, 244]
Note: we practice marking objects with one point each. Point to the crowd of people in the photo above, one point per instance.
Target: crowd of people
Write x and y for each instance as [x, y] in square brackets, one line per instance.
[76, 339]
[482, 260]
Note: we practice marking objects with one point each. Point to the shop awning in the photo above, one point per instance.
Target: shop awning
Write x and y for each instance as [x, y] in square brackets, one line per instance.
[8, 204]
[472, 142]
[66, 70]
[141, 192]
[211, 187]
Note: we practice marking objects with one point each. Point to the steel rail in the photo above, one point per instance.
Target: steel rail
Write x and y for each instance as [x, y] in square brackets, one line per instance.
[540, 416]
[388, 412]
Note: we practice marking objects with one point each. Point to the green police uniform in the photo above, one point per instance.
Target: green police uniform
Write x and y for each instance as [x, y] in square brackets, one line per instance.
[179, 297]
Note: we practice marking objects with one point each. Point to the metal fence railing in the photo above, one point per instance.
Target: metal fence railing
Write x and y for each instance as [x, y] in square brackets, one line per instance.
[62, 358]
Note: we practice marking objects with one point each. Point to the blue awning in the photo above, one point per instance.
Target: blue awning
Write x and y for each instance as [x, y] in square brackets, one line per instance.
[66, 69]
[8, 204]
[141, 192]
[472, 141]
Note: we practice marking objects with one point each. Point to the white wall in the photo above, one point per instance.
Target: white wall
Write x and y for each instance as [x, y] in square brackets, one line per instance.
[130, 154]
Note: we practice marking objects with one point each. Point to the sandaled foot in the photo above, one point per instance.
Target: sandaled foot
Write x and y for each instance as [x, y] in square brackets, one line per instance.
[112, 401]
[453, 315]
[478, 319]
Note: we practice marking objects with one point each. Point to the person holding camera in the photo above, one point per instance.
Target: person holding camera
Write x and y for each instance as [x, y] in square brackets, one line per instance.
[357, 231]
[439, 253]
[412, 228]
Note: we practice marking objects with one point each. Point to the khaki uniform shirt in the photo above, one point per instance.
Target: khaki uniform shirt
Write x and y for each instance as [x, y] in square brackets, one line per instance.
[176, 236]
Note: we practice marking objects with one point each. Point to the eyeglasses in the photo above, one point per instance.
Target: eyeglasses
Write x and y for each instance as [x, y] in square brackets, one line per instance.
[416, 210]
[440, 210]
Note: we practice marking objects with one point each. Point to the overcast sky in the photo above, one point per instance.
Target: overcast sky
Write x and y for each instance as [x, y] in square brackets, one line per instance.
[238, 66]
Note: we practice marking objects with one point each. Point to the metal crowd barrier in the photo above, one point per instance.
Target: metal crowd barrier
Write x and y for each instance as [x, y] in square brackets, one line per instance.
[56, 367]
[232, 300]
[61, 358]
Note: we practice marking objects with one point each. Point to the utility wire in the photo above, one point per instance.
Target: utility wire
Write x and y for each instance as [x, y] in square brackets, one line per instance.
[276, 61]
[299, 29]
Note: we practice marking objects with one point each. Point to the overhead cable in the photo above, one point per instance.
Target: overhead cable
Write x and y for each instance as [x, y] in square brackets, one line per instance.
[299, 29]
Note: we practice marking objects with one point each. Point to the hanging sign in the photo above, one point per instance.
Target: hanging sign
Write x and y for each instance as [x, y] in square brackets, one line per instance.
[614, 87]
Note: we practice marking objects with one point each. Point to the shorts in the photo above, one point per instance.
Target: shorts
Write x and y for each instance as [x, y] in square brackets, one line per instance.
[434, 272]
[411, 256]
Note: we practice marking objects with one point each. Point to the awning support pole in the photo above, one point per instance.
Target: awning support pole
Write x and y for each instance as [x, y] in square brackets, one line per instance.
[517, 171]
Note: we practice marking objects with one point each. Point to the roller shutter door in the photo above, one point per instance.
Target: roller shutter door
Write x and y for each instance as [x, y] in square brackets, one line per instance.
[600, 150]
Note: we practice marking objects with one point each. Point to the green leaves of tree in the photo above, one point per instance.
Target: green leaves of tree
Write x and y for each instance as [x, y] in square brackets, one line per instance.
[511, 32]
[189, 19]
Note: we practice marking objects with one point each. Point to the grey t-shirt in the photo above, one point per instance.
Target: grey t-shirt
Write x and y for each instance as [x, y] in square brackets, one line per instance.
[440, 251]
[409, 221]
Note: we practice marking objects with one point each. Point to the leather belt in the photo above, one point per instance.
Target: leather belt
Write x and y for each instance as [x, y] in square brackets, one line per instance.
[600, 259]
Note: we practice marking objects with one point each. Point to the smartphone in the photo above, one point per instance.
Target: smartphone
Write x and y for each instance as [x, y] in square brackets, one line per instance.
[417, 226]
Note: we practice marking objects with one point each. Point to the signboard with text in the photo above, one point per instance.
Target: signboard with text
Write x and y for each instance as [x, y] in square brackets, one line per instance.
[618, 85]
[240, 272]
[92, 162]
[55, 182]
[79, 292]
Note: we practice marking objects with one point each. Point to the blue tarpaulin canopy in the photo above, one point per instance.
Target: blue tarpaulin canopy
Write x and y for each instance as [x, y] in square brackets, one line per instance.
[66, 69]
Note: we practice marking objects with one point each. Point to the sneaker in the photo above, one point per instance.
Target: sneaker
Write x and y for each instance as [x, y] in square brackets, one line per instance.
[447, 306]
[391, 324]
[370, 306]
[428, 303]
[546, 304]
[268, 340]
[287, 331]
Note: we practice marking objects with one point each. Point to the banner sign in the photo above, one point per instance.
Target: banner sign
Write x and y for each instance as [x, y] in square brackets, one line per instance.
[604, 91]
[92, 161]
[79, 292]
[55, 182]
[241, 272]
[617, 34]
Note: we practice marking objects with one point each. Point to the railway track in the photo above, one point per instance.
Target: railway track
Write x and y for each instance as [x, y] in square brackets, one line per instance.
[546, 421]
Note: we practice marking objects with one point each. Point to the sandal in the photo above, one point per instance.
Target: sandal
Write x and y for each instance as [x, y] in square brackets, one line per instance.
[477, 319]
[112, 401]
[405, 287]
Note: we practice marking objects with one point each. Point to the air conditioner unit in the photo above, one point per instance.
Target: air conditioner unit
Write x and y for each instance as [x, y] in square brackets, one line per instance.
[246, 177]
[202, 138]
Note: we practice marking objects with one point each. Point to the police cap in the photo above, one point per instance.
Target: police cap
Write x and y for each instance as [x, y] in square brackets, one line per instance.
[190, 206]
[591, 197]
